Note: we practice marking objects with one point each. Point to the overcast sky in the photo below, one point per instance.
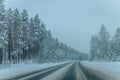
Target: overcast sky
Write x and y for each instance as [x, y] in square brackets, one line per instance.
[73, 21]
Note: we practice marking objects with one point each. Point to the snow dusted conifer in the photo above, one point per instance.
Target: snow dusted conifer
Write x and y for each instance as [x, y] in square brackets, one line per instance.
[103, 43]
[20, 36]
[10, 33]
[40, 35]
[43, 35]
[3, 32]
[32, 37]
[94, 48]
[25, 34]
[17, 36]
[37, 34]
[40, 28]
[115, 45]
[2, 11]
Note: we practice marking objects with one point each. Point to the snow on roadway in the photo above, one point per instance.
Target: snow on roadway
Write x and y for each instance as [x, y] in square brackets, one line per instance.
[110, 68]
[22, 68]
[79, 74]
[59, 74]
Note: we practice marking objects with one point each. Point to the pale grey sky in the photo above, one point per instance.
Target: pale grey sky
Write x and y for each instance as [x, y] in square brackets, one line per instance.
[73, 21]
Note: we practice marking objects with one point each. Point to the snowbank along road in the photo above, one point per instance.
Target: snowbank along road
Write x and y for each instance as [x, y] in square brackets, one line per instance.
[67, 71]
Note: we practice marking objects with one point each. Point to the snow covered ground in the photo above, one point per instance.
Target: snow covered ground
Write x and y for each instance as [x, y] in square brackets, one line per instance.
[22, 68]
[110, 68]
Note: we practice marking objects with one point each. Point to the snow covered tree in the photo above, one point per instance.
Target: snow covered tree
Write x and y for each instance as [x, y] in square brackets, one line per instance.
[10, 33]
[94, 48]
[37, 37]
[32, 38]
[37, 30]
[17, 36]
[2, 11]
[22, 39]
[42, 36]
[115, 45]
[103, 44]
[25, 34]
[46, 48]
[3, 32]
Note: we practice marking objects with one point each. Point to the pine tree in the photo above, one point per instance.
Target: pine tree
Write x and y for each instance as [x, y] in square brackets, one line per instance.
[17, 36]
[94, 48]
[22, 39]
[115, 45]
[25, 34]
[42, 36]
[103, 43]
[32, 37]
[37, 30]
[10, 33]
[3, 31]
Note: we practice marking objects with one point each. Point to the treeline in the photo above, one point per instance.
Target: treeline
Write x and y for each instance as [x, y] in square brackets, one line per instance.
[104, 48]
[23, 38]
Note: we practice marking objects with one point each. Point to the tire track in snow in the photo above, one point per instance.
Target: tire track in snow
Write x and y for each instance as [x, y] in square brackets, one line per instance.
[59, 74]
[79, 74]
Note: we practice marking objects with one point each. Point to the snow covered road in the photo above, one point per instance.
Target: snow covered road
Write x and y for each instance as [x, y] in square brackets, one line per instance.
[77, 71]
[68, 71]
[17, 70]
[72, 71]
[80, 72]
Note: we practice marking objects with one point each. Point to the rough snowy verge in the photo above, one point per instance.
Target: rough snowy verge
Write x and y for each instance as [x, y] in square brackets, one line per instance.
[59, 74]
[109, 68]
[22, 68]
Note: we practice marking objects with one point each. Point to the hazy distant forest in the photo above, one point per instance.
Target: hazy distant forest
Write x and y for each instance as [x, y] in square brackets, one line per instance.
[104, 48]
[23, 38]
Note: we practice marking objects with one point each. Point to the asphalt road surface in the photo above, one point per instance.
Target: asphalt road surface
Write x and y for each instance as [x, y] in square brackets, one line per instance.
[75, 71]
